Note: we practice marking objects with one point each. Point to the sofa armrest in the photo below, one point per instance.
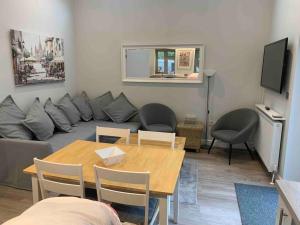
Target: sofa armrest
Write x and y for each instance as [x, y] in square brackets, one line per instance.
[15, 156]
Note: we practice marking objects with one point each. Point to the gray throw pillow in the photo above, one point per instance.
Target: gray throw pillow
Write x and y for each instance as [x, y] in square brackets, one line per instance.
[59, 119]
[99, 103]
[82, 104]
[11, 117]
[39, 122]
[120, 110]
[69, 109]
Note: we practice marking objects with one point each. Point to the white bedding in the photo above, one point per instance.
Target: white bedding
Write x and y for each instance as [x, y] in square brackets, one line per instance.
[67, 211]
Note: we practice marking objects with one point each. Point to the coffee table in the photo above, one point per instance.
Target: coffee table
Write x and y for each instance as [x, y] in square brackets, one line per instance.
[162, 162]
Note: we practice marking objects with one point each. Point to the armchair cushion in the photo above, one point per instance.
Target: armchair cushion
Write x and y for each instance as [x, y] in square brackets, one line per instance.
[225, 135]
[160, 128]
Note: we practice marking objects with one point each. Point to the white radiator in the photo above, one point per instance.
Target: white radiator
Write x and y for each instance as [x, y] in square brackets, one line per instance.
[268, 138]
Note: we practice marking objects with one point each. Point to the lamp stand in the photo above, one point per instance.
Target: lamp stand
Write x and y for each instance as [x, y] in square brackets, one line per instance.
[207, 113]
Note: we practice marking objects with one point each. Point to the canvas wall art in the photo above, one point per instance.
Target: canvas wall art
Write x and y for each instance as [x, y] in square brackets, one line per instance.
[37, 58]
[185, 58]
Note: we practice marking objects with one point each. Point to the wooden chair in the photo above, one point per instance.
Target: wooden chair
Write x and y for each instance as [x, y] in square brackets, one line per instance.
[127, 204]
[47, 185]
[112, 132]
[156, 136]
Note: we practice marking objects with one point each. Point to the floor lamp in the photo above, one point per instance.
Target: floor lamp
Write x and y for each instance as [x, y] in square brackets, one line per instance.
[209, 73]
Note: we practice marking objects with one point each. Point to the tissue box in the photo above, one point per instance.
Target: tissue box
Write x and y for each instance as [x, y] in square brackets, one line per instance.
[111, 155]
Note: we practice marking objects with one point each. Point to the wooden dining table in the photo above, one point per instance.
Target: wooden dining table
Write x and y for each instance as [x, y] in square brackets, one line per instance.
[159, 159]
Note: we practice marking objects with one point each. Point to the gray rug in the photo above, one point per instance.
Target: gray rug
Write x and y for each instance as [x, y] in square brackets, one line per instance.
[188, 182]
[257, 204]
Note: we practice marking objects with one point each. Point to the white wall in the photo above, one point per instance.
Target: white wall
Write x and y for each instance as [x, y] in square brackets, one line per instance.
[286, 19]
[234, 32]
[52, 17]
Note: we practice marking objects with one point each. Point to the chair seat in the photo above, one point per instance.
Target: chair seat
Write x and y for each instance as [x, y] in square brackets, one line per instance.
[160, 128]
[225, 135]
[135, 214]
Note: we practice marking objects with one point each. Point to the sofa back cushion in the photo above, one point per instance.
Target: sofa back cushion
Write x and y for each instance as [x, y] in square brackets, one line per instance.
[11, 117]
[121, 109]
[59, 119]
[83, 106]
[99, 103]
[69, 109]
[38, 121]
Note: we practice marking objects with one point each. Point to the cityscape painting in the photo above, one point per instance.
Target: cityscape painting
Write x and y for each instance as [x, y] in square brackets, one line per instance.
[36, 58]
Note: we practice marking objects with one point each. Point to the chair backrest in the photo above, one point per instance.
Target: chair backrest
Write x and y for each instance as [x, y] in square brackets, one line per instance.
[59, 187]
[156, 136]
[238, 119]
[113, 132]
[122, 197]
[156, 113]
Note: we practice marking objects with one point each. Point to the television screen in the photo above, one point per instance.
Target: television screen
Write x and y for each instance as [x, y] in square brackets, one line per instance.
[274, 65]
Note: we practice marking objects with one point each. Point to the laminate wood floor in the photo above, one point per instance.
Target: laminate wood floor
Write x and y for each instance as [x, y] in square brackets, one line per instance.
[216, 205]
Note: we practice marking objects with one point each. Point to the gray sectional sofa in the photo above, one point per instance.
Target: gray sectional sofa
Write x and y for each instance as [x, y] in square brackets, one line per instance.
[17, 154]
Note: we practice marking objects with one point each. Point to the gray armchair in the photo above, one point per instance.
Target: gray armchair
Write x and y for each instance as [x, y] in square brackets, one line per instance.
[235, 127]
[158, 117]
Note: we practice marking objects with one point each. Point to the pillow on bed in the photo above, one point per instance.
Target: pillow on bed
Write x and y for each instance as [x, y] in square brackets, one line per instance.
[69, 109]
[99, 103]
[59, 119]
[39, 122]
[82, 104]
[11, 117]
[121, 109]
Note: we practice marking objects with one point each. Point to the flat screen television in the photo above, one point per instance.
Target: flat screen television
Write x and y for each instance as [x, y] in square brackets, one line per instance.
[274, 65]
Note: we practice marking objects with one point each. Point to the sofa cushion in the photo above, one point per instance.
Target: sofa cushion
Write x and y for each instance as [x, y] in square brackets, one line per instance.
[69, 109]
[38, 121]
[11, 117]
[99, 103]
[86, 131]
[160, 128]
[121, 109]
[59, 119]
[83, 106]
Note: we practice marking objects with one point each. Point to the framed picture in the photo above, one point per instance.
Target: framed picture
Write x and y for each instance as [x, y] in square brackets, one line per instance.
[185, 58]
[37, 58]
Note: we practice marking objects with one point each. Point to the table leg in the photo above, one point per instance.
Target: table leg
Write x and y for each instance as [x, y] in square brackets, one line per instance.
[36, 193]
[176, 203]
[163, 211]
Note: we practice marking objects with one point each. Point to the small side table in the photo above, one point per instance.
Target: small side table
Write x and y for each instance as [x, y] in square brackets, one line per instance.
[193, 134]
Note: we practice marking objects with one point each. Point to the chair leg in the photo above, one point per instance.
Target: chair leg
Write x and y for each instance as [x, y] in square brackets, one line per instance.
[249, 150]
[230, 152]
[211, 145]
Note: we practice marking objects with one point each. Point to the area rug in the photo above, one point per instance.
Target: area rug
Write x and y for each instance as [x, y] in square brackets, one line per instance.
[188, 182]
[257, 204]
